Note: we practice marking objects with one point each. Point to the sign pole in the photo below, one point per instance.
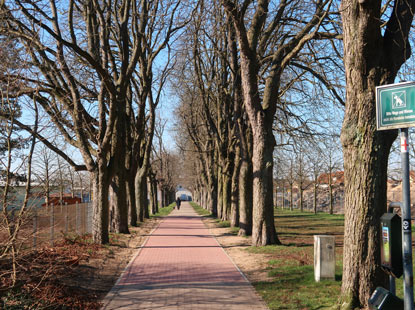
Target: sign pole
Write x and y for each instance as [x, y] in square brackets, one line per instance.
[408, 283]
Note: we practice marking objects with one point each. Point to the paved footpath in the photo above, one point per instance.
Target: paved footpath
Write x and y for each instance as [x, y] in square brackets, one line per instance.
[182, 267]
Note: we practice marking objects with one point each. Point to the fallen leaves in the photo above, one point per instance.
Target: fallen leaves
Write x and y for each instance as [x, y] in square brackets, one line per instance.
[41, 278]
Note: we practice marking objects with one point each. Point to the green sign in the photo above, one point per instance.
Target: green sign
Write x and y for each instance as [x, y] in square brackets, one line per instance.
[395, 106]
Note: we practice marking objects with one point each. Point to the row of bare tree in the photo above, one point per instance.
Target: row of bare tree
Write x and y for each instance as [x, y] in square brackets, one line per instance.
[95, 70]
[238, 64]
[245, 74]
[315, 171]
[246, 68]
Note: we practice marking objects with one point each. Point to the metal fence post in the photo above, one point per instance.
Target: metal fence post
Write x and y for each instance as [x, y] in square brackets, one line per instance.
[85, 218]
[89, 206]
[66, 218]
[408, 284]
[77, 218]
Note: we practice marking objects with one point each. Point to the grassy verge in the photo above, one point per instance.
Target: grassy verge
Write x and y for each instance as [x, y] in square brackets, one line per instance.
[199, 210]
[291, 284]
[164, 211]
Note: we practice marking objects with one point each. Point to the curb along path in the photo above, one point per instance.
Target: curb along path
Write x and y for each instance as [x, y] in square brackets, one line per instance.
[182, 267]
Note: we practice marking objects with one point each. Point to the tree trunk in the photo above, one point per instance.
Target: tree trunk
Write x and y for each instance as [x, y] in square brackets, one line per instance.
[119, 206]
[263, 228]
[140, 193]
[163, 198]
[47, 191]
[155, 191]
[112, 209]
[152, 186]
[131, 200]
[226, 195]
[100, 206]
[167, 199]
[371, 59]
[213, 187]
[159, 195]
[145, 197]
[245, 199]
[301, 198]
[234, 216]
[213, 208]
[364, 205]
[220, 189]
[151, 195]
[204, 198]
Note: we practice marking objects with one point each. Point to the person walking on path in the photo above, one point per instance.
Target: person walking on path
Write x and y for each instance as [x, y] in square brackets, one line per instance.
[178, 202]
[181, 266]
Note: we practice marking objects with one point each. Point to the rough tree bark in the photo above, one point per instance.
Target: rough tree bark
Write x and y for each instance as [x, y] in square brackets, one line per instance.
[118, 190]
[100, 204]
[234, 216]
[245, 193]
[370, 60]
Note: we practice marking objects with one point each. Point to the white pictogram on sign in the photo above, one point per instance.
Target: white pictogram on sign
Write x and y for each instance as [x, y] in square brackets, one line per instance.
[399, 99]
[405, 225]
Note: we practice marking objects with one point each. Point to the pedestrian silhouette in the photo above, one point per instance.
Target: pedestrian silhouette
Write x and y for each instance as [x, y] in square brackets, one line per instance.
[178, 202]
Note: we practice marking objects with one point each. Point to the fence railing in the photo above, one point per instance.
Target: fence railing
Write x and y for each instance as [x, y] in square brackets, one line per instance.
[43, 226]
[51, 222]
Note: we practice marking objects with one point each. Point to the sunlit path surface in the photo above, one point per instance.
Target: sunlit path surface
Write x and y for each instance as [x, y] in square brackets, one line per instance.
[181, 266]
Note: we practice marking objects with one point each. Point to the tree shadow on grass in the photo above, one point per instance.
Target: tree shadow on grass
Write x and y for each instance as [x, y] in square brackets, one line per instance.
[294, 287]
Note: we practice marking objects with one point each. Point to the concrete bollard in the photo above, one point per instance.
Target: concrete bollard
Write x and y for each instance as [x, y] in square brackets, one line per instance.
[324, 257]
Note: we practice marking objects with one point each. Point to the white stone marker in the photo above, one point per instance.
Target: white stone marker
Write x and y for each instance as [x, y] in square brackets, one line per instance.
[324, 257]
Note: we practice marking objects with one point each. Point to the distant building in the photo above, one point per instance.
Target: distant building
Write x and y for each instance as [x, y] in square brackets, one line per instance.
[183, 193]
[66, 199]
[337, 179]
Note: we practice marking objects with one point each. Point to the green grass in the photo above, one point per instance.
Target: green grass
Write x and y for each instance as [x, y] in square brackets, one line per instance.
[199, 210]
[164, 211]
[290, 284]
[293, 287]
[223, 224]
[234, 230]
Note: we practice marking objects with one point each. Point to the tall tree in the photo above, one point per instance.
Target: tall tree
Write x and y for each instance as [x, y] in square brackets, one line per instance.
[81, 84]
[265, 39]
[373, 54]
[85, 61]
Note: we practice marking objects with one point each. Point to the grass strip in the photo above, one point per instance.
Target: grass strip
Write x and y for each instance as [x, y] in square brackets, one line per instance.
[164, 211]
[289, 283]
[199, 210]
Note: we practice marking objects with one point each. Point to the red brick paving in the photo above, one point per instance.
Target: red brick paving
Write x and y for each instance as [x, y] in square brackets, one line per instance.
[181, 266]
